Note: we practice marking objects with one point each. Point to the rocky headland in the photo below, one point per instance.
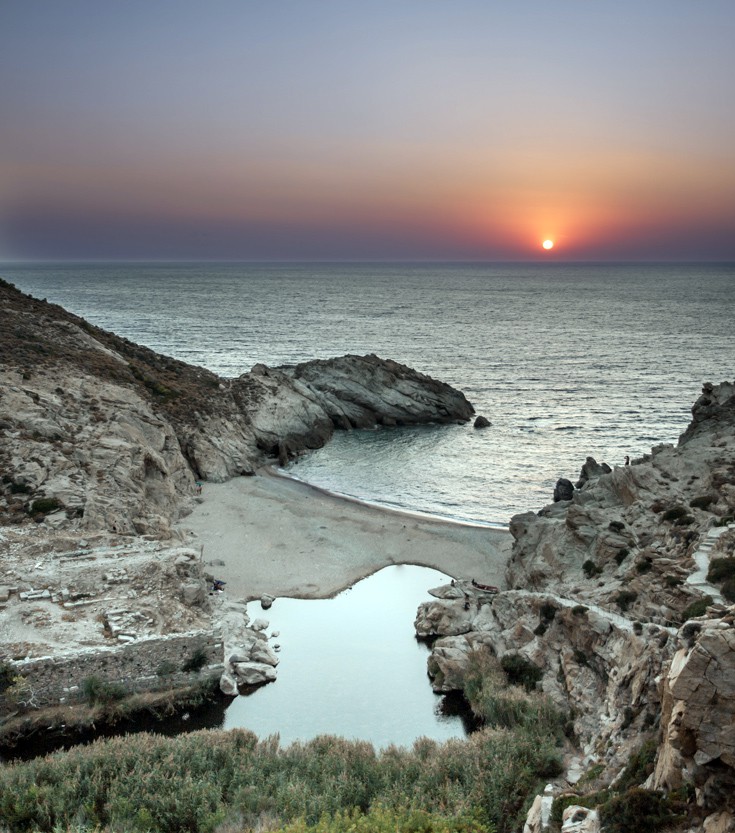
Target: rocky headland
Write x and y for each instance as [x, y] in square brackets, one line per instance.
[103, 447]
[620, 600]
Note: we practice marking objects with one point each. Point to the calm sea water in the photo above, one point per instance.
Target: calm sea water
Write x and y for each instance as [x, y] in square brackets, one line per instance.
[351, 666]
[565, 360]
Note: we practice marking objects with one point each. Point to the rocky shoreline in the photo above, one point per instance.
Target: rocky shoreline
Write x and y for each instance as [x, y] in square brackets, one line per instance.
[104, 447]
[609, 599]
[619, 593]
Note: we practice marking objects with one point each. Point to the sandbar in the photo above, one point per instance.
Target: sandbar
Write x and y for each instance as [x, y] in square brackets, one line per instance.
[282, 537]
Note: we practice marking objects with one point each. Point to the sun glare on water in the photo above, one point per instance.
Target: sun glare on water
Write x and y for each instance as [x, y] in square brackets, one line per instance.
[548, 244]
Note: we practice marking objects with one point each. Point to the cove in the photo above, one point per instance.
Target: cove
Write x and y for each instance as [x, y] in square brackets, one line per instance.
[352, 666]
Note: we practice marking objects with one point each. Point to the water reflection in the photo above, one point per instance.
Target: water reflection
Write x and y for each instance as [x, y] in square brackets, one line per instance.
[351, 666]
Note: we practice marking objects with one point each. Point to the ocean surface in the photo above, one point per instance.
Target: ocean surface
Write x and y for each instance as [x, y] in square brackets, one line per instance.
[566, 360]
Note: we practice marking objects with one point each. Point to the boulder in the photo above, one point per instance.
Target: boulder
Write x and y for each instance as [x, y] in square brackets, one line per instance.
[482, 422]
[254, 673]
[563, 490]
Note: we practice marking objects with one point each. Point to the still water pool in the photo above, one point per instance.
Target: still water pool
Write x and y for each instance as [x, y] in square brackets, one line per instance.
[351, 666]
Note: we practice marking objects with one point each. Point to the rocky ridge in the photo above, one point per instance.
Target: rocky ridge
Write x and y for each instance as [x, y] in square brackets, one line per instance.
[102, 442]
[610, 601]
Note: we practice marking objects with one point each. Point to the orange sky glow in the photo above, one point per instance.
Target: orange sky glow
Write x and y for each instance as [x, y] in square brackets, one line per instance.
[463, 133]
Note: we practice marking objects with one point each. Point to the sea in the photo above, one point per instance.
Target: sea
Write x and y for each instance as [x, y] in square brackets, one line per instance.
[566, 360]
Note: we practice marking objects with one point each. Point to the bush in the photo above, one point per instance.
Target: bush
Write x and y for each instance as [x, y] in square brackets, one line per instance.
[196, 661]
[616, 526]
[521, 671]
[209, 780]
[625, 598]
[721, 569]
[548, 611]
[381, 819]
[728, 589]
[702, 502]
[7, 675]
[685, 520]
[579, 610]
[166, 668]
[591, 569]
[645, 565]
[638, 809]
[698, 608]
[97, 690]
[621, 555]
[674, 513]
[580, 657]
[44, 505]
[19, 489]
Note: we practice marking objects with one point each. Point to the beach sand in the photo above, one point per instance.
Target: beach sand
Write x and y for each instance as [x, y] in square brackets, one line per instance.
[283, 537]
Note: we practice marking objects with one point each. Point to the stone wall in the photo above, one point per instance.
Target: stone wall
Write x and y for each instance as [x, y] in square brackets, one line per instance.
[149, 664]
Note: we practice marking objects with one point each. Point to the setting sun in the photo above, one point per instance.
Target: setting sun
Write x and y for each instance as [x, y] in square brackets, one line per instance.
[548, 244]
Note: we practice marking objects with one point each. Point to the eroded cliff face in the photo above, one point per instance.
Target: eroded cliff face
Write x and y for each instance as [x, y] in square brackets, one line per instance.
[602, 587]
[109, 435]
[101, 444]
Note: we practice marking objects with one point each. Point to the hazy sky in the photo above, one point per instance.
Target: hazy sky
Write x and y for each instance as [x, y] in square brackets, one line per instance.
[320, 129]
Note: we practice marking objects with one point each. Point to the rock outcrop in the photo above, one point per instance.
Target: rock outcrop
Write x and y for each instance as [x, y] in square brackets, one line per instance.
[102, 434]
[102, 441]
[604, 584]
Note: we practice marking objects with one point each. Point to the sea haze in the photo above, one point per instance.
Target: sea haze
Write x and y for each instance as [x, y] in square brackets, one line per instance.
[565, 360]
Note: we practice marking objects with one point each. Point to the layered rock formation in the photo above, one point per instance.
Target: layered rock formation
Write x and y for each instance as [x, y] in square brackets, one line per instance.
[604, 585]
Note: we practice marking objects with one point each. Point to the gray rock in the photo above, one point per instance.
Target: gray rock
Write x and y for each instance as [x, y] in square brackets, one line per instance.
[266, 601]
[564, 490]
[482, 422]
[259, 624]
[254, 673]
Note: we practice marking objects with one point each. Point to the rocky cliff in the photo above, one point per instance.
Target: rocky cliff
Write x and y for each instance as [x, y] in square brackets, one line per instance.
[103, 434]
[621, 598]
[101, 444]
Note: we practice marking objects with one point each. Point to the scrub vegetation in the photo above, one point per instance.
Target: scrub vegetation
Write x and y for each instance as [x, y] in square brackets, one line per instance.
[227, 782]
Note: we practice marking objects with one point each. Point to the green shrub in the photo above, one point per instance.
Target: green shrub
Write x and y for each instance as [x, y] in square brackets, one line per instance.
[621, 555]
[381, 819]
[99, 691]
[196, 661]
[645, 565]
[674, 513]
[579, 610]
[44, 505]
[721, 569]
[702, 502]
[166, 668]
[580, 657]
[698, 608]
[7, 675]
[591, 569]
[638, 809]
[548, 611]
[728, 589]
[19, 489]
[639, 767]
[673, 581]
[685, 520]
[625, 598]
[521, 671]
[198, 782]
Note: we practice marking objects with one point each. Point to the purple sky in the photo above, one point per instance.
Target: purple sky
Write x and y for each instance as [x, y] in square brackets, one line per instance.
[419, 129]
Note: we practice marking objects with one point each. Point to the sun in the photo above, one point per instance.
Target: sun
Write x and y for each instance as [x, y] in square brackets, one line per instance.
[548, 244]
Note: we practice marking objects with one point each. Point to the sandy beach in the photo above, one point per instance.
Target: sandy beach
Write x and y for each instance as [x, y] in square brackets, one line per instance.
[282, 537]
